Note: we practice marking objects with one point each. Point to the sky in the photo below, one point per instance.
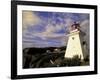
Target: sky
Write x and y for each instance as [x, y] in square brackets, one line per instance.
[50, 29]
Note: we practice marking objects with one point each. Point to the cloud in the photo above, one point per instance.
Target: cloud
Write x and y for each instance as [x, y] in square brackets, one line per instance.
[68, 23]
[85, 25]
[29, 18]
[47, 31]
[52, 28]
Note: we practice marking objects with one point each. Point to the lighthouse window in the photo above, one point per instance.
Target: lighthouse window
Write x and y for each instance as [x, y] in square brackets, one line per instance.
[73, 38]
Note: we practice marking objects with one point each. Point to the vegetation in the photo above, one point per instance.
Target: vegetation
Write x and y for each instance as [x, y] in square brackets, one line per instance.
[75, 61]
[38, 59]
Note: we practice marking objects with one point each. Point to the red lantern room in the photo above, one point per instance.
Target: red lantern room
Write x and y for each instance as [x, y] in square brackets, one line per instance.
[75, 26]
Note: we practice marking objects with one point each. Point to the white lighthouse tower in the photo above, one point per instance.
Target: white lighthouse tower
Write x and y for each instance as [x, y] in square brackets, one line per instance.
[75, 42]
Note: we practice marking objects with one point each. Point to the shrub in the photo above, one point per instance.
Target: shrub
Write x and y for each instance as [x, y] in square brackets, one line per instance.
[75, 61]
[86, 59]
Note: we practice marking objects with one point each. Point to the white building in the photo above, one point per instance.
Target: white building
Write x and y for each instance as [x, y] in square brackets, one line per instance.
[76, 44]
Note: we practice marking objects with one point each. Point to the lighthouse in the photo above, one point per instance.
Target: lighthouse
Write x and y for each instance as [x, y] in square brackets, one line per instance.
[76, 42]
